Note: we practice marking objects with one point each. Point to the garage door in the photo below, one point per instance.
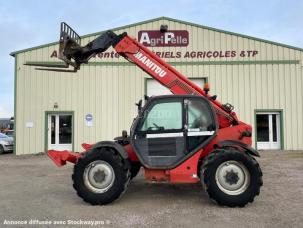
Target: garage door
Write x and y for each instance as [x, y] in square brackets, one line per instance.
[155, 88]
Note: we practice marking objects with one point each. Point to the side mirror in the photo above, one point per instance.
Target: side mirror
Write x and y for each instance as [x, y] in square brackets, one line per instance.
[139, 104]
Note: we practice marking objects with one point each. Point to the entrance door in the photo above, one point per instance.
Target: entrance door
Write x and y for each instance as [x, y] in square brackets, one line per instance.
[60, 132]
[268, 131]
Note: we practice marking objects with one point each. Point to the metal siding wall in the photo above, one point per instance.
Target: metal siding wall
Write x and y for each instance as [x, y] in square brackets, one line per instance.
[109, 92]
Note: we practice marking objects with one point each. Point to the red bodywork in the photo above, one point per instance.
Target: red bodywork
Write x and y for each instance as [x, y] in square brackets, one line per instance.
[165, 74]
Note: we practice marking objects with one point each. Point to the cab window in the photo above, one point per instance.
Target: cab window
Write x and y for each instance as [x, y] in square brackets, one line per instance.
[199, 116]
[163, 116]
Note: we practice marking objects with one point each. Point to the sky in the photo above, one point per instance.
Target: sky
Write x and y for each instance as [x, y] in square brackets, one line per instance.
[29, 23]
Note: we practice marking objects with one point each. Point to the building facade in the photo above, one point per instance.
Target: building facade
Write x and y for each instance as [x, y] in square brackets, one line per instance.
[262, 79]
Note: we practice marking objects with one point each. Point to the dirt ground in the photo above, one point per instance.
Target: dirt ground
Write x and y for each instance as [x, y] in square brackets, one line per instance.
[33, 188]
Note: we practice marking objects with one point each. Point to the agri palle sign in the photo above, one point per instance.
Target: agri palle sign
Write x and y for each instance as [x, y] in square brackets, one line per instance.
[155, 38]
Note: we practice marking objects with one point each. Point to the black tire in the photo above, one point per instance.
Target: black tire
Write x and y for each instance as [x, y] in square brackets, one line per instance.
[209, 168]
[119, 185]
[1, 149]
[135, 169]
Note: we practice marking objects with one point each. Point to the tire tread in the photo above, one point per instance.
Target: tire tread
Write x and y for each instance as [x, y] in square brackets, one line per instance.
[121, 163]
[225, 153]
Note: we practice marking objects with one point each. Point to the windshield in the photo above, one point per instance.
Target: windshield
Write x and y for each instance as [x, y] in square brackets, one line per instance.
[3, 135]
[9, 133]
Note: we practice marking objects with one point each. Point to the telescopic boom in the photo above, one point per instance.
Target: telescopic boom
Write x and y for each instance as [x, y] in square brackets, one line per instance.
[73, 54]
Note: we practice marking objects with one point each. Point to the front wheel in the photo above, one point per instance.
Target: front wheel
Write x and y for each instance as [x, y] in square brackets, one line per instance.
[100, 176]
[231, 177]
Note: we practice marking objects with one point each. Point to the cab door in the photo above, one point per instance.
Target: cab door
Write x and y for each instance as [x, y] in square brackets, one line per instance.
[159, 137]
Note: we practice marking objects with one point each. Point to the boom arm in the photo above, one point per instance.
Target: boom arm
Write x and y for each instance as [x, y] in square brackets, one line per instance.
[72, 53]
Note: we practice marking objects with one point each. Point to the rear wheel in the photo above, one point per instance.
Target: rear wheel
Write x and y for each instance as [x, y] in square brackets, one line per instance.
[1, 149]
[100, 176]
[231, 177]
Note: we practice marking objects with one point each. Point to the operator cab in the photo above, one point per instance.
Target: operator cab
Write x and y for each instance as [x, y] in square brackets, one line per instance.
[171, 128]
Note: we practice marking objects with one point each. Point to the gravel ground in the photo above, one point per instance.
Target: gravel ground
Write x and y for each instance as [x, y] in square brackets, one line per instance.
[32, 187]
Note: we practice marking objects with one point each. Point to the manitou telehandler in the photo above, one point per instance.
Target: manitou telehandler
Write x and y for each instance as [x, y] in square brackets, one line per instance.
[188, 137]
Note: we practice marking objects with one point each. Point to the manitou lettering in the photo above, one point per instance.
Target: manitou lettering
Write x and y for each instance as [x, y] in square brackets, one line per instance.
[150, 64]
[155, 38]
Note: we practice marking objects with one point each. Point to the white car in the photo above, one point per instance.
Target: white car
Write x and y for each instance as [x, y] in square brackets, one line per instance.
[6, 143]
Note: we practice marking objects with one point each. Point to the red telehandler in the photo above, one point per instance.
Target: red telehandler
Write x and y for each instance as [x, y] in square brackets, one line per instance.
[188, 137]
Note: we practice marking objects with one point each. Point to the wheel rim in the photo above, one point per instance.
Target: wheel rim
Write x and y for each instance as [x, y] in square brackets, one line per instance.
[232, 177]
[99, 176]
